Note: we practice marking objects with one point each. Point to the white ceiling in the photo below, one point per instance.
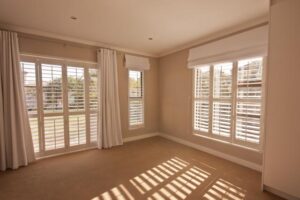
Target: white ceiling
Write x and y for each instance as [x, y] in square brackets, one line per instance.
[129, 23]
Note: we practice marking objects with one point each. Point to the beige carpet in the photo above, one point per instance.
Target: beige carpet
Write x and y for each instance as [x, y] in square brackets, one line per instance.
[147, 169]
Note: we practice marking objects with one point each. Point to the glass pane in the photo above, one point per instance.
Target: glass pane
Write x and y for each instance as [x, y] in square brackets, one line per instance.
[223, 80]
[93, 127]
[201, 116]
[250, 78]
[201, 81]
[135, 83]
[77, 130]
[221, 119]
[93, 94]
[248, 122]
[75, 88]
[136, 112]
[35, 133]
[54, 132]
[29, 80]
[52, 88]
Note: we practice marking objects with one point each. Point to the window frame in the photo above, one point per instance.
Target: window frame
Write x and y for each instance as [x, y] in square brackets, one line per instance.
[65, 113]
[232, 139]
[142, 98]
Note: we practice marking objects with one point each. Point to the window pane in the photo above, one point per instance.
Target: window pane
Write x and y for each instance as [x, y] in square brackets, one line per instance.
[35, 133]
[223, 80]
[93, 127]
[135, 84]
[248, 122]
[54, 132]
[201, 116]
[77, 130]
[250, 78]
[93, 94]
[201, 81]
[75, 88]
[52, 88]
[29, 78]
[221, 119]
[136, 112]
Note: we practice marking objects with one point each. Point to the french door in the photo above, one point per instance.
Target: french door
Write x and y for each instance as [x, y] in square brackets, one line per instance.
[62, 102]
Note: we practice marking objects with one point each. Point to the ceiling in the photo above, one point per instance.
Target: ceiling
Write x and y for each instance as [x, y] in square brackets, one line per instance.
[129, 23]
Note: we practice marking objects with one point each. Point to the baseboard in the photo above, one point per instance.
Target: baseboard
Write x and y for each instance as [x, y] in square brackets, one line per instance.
[234, 159]
[140, 137]
[279, 193]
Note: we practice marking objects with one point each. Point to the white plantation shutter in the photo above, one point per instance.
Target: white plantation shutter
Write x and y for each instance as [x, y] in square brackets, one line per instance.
[30, 87]
[249, 100]
[52, 109]
[136, 99]
[62, 103]
[201, 98]
[228, 101]
[222, 93]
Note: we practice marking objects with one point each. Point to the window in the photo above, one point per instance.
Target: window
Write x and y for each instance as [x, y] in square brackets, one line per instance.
[136, 99]
[62, 103]
[228, 101]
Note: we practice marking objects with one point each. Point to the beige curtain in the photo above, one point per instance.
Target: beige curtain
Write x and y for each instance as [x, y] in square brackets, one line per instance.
[110, 132]
[16, 148]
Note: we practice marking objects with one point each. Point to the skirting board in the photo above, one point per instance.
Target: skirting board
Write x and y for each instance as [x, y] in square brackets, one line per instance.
[234, 159]
[140, 137]
[279, 193]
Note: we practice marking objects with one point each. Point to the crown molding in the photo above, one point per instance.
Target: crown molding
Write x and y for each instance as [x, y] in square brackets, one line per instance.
[261, 21]
[36, 32]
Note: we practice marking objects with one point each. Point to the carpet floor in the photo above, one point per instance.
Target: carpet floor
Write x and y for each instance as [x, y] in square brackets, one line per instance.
[152, 169]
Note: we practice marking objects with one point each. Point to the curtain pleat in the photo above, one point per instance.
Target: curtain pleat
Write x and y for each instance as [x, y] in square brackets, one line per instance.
[110, 133]
[16, 146]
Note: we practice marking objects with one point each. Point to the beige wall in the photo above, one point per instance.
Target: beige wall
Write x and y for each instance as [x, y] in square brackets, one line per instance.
[49, 47]
[175, 91]
[282, 149]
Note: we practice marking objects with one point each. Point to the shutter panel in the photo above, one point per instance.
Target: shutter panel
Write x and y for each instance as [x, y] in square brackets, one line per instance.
[221, 119]
[77, 130]
[30, 88]
[201, 98]
[93, 104]
[201, 116]
[136, 108]
[93, 127]
[249, 93]
[76, 97]
[52, 88]
[136, 99]
[54, 132]
[222, 94]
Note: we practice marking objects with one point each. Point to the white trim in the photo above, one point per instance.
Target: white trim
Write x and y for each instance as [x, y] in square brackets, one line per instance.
[140, 137]
[225, 156]
[36, 32]
[279, 193]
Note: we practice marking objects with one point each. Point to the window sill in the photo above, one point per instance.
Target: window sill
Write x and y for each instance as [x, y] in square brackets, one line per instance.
[201, 135]
[132, 128]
